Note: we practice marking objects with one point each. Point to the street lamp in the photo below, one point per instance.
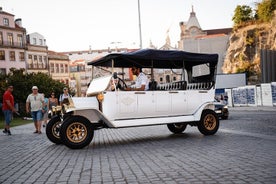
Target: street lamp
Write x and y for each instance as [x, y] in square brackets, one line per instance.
[140, 32]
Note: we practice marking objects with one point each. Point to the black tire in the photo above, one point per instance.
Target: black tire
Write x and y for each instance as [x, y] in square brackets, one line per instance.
[53, 130]
[209, 122]
[76, 132]
[177, 128]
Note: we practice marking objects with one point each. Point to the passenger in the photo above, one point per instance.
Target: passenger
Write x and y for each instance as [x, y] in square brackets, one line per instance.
[63, 98]
[141, 82]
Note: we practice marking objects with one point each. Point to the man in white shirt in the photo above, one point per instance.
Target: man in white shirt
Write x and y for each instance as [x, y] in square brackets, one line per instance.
[34, 104]
[141, 83]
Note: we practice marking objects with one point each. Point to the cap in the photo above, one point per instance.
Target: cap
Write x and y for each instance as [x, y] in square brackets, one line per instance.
[64, 88]
[34, 87]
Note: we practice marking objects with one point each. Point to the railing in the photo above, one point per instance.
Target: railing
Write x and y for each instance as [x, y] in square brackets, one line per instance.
[182, 85]
[13, 44]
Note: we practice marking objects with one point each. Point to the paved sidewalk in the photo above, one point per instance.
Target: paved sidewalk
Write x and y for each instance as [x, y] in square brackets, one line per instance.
[253, 108]
[140, 155]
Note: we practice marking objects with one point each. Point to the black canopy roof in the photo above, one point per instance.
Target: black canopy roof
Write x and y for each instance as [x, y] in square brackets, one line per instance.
[147, 58]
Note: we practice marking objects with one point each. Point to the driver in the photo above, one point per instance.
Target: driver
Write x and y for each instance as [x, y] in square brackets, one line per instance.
[141, 82]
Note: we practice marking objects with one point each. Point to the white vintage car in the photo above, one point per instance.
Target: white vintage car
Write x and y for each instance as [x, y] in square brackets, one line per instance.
[177, 104]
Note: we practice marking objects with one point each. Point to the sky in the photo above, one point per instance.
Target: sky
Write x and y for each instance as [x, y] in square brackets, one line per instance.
[75, 25]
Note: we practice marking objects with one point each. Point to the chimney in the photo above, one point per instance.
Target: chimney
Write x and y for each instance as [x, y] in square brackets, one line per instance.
[18, 22]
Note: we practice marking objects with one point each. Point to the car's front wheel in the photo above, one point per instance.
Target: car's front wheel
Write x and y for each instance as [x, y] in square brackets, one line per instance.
[53, 130]
[76, 132]
[209, 122]
[177, 127]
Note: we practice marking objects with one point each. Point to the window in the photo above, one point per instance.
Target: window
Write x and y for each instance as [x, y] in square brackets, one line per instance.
[20, 40]
[6, 22]
[2, 55]
[40, 64]
[45, 61]
[10, 39]
[52, 68]
[35, 61]
[57, 68]
[30, 57]
[1, 38]
[34, 41]
[30, 60]
[66, 68]
[40, 42]
[12, 56]
[61, 68]
[40, 59]
[21, 56]
[2, 70]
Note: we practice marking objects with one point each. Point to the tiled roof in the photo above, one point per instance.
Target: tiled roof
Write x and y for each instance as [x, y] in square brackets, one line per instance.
[218, 31]
[210, 36]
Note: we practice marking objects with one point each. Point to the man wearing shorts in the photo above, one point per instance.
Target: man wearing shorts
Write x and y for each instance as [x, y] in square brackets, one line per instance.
[8, 109]
[34, 104]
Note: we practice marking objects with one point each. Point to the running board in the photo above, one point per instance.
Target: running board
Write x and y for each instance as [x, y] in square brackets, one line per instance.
[153, 121]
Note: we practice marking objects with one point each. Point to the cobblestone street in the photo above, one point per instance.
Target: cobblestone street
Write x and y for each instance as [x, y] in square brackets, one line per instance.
[140, 155]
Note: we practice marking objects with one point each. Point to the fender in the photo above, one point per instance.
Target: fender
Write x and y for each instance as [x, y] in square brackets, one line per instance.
[207, 105]
[92, 114]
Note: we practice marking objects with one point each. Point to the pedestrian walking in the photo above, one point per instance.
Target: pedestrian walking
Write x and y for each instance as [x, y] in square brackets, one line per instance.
[34, 105]
[53, 101]
[8, 109]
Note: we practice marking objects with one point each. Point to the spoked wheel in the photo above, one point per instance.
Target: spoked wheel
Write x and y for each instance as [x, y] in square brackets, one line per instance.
[177, 127]
[76, 132]
[209, 122]
[53, 130]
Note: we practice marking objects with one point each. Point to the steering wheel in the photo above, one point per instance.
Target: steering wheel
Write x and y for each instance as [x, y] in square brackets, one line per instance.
[120, 84]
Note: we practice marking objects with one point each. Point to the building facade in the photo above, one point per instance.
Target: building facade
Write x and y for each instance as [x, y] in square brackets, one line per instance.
[59, 67]
[12, 43]
[37, 54]
[194, 39]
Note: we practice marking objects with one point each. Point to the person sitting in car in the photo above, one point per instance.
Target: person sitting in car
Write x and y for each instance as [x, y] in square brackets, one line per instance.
[141, 82]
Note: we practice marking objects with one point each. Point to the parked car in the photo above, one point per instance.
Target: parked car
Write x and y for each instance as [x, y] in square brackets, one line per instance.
[221, 109]
[188, 101]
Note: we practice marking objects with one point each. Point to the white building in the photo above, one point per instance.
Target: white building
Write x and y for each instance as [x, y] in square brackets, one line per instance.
[37, 54]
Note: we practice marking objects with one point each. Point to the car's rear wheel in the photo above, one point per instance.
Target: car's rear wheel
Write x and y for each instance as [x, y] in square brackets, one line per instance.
[76, 132]
[177, 127]
[209, 122]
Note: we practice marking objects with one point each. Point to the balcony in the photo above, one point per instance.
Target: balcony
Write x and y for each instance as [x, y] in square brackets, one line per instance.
[13, 45]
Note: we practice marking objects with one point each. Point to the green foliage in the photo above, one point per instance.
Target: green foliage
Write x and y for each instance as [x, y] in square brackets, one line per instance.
[17, 121]
[265, 10]
[23, 82]
[242, 14]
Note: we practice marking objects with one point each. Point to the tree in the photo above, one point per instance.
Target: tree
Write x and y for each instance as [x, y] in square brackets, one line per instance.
[242, 14]
[265, 10]
[23, 83]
